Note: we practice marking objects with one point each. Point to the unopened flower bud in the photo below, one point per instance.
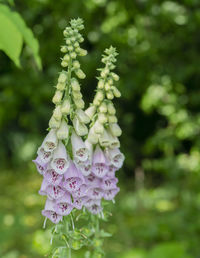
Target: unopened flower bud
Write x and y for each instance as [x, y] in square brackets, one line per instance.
[116, 92]
[115, 129]
[110, 81]
[77, 95]
[73, 39]
[62, 77]
[68, 42]
[70, 48]
[63, 131]
[79, 103]
[103, 108]
[64, 63]
[57, 97]
[81, 39]
[96, 102]
[65, 33]
[109, 95]
[115, 76]
[53, 123]
[111, 109]
[76, 64]
[80, 74]
[65, 109]
[57, 114]
[107, 86]
[104, 72]
[81, 52]
[82, 116]
[92, 136]
[104, 139]
[98, 127]
[90, 111]
[112, 119]
[73, 55]
[99, 95]
[66, 58]
[80, 128]
[60, 86]
[75, 85]
[114, 142]
[76, 44]
[102, 118]
[101, 84]
[63, 49]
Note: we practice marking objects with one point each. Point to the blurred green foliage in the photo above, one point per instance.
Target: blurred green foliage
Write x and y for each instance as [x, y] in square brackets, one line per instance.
[157, 212]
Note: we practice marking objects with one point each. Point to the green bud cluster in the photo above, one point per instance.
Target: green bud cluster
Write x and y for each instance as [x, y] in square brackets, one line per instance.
[102, 111]
[68, 97]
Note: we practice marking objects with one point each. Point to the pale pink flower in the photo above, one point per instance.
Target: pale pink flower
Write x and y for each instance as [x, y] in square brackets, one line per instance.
[95, 209]
[64, 205]
[110, 194]
[40, 165]
[50, 213]
[100, 163]
[80, 152]
[55, 192]
[73, 178]
[60, 161]
[52, 177]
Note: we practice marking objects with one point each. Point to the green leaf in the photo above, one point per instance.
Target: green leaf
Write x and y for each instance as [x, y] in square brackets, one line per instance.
[76, 245]
[11, 39]
[60, 252]
[105, 234]
[135, 253]
[168, 250]
[17, 21]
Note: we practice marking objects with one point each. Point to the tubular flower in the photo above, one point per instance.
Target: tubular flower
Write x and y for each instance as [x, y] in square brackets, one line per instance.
[79, 165]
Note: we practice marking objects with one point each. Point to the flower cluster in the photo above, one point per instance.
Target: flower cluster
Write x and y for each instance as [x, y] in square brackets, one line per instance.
[78, 166]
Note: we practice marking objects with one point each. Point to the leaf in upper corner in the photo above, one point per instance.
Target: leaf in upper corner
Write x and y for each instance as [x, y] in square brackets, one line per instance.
[10, 38]
[25, 32]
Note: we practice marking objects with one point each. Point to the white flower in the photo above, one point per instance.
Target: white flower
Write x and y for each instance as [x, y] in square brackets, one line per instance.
[60, 161]
[115, 156]
[63, 131]
[50, 141]
[44, 156]
[79, 127]
[80, 152]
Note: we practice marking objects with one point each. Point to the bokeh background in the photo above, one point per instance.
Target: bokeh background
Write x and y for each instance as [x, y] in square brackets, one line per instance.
[157, 212]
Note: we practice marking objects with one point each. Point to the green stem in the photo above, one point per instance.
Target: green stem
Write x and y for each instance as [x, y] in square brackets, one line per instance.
[69, 253]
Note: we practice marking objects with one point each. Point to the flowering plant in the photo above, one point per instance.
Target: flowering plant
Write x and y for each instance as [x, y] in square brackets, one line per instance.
[78, 162]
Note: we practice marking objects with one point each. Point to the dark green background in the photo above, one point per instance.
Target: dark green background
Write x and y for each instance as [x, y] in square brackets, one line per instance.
[156, 214]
